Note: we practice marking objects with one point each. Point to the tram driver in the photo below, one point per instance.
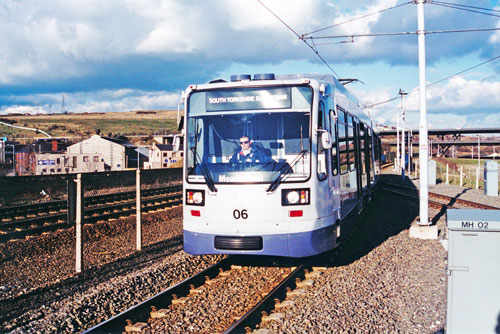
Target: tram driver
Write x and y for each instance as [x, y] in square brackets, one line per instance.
[249, 153]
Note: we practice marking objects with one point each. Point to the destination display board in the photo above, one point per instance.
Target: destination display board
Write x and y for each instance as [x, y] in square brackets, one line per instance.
[249, 98]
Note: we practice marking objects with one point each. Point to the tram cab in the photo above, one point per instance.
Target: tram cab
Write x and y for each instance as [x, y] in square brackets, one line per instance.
[264, 173]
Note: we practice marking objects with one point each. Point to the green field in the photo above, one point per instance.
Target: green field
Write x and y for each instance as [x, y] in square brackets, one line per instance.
[84, 125]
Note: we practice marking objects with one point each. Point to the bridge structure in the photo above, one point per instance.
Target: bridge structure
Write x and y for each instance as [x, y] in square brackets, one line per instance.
[441, 140]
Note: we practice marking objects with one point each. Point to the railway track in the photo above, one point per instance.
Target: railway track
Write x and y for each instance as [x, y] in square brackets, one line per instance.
[440, 201]
[27, 220]
[229, 297]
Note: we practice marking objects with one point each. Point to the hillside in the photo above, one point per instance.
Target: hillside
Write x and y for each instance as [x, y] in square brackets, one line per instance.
[86, 124]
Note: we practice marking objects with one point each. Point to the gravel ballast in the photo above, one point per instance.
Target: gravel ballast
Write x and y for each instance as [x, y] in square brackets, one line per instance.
[378, 281]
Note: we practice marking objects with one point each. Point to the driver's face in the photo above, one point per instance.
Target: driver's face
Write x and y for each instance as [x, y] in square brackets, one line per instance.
[245, 143]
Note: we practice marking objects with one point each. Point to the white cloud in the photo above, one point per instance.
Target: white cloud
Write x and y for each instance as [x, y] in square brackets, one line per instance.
[91, 102]
[459, 93]
[124, 50]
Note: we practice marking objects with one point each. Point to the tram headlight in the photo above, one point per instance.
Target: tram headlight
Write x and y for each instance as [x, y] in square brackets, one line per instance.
[195, 197]
[295, 196]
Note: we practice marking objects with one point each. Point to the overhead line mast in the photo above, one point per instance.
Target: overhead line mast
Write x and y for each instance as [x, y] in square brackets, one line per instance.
[423, 137]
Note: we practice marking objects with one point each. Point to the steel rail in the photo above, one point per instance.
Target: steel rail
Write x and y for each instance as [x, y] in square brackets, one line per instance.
[451, 200]
[254, 316]
[38, 225]
[60, 205]
[141, 312]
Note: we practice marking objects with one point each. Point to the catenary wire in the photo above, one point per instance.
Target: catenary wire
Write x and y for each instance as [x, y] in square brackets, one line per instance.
[465, 6]
[436, 82]
[357, 18]
[427, 32]
[296, 34]
[464, 9]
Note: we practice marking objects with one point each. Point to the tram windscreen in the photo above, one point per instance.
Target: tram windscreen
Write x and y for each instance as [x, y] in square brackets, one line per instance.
[249, 147]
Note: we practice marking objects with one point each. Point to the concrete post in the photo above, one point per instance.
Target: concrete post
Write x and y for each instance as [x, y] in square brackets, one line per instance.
[461, 177]
[138, 211]
[447, 174]
[78, 224]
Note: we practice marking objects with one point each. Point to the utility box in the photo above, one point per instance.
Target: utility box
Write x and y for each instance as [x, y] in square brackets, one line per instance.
[491, 178]
[432, 172]
[473, 301]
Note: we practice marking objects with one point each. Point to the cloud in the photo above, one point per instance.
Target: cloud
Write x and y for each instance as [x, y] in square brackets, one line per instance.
[104, 55]
[91, 102]
[459, 102]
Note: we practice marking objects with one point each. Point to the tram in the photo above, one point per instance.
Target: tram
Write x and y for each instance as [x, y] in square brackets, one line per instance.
[274, 164]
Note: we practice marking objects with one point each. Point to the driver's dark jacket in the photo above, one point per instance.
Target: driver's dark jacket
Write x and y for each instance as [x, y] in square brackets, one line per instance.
[254, 156]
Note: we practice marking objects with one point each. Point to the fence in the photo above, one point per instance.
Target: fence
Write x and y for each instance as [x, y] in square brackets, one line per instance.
[468, 176]
[86, 192]
[17, 190]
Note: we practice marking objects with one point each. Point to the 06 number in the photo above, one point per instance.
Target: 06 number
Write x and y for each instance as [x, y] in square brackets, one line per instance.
[243, 214]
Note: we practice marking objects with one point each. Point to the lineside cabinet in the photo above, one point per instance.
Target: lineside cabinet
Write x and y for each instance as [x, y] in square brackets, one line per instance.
[473, 301]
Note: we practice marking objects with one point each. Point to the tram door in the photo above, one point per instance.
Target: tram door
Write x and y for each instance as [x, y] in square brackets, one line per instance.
[368, 157]
[324, 156]
[358, 164]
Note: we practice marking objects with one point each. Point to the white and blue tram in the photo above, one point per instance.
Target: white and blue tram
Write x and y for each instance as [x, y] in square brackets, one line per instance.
[318, 162]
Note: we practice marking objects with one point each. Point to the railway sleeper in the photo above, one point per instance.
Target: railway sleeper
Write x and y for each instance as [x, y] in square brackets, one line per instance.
[138, 327]
[283, 304]
[275, 316]
[158, 314]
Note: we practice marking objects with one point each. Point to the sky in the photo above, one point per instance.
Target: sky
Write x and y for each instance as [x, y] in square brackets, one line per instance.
[120, 55]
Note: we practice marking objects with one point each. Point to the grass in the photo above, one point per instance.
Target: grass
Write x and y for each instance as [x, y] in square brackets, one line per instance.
[84, 125]
[469, 170]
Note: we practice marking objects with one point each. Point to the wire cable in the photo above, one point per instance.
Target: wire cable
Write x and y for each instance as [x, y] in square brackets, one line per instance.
[427, 32]
[357, 18]
[296, 34]
[464, 6]
[435, 82]
[466, 70]
[464, 9]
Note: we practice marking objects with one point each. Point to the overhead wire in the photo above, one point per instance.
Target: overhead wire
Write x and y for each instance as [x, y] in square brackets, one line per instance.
[455, 6]
[357, 18]
[427, 32]
[436, 82]
[466, 6]
[296, 34]
[472, 9]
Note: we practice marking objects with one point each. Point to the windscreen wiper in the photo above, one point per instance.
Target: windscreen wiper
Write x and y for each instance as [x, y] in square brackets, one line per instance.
[204, 170]
[288, 169]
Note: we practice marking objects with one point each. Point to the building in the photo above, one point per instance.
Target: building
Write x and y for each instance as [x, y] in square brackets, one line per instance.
[114, 153]
[48, 163]
[162, 156]
[177, 141]
[40, 157]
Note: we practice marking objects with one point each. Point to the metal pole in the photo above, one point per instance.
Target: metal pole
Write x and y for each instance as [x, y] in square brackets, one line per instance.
[423, 147]
[403, 151]
[14, 158]
[78, 224]
[398, 153]
[478, 151]
[410, 153]
[138, 210]
[477, 178]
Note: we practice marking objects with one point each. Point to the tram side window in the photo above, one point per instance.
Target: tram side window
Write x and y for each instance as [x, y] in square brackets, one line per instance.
[371, 151]
[342, 135]
[321, 152]
[362, 148]
[350, 146]
[333, 127]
